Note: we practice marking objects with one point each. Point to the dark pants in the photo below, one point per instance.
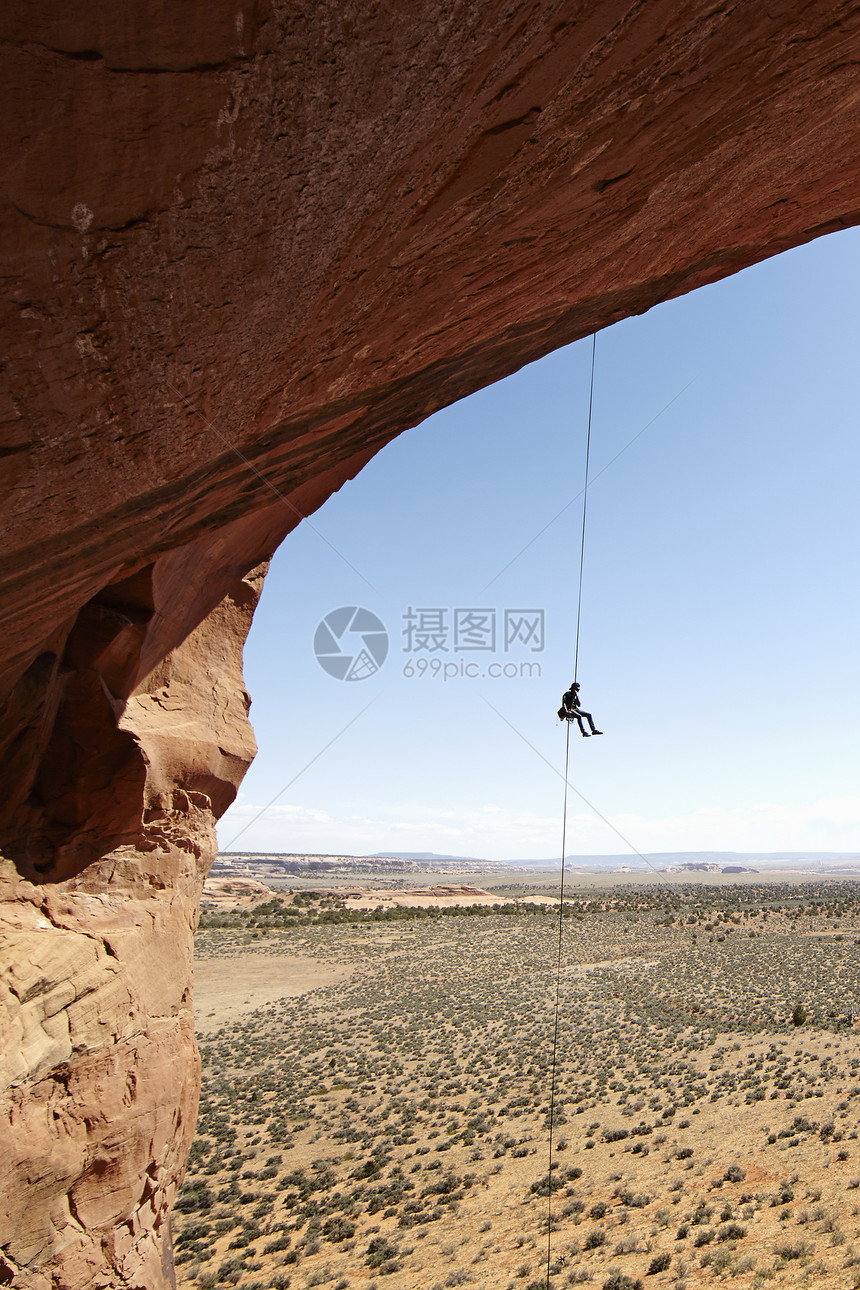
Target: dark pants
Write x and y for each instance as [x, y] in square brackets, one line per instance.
[577, 714]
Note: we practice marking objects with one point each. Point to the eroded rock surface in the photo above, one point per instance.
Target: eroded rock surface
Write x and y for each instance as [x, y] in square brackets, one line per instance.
[100, 1073]
[244, 246]
[98, 1067]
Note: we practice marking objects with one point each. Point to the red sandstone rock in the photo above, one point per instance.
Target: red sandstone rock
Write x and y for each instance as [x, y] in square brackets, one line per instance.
[98, 1068]
[244, 246]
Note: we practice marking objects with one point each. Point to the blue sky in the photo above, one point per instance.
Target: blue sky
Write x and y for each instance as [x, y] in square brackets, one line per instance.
[720, 610]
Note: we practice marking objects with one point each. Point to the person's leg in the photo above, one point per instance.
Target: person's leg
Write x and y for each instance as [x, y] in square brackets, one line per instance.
[590, 721]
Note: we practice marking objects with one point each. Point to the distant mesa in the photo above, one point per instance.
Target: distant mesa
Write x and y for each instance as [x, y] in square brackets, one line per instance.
[433, 855]
[310, 865]
[702, 866]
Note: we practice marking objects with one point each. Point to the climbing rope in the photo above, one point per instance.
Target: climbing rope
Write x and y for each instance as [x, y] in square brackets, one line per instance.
[557, 1008]
[584, 509]
[556, 1016]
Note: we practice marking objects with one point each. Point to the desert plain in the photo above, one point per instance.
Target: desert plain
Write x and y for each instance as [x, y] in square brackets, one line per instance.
[378, 1079]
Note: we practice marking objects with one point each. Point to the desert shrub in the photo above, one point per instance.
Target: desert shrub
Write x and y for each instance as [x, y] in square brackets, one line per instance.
[659, 1263]
[549, 1183]
[621, 1281]
[596, 1237]
[379, 1251]
[231, 1270]
[788, 1252]
[632, 1244]
[281, 1242]
[634, 1200]
[194, 1196]
[338, 1228]
[241, 1241]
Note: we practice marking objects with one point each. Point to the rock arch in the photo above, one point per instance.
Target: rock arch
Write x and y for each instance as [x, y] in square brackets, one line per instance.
[244, 246]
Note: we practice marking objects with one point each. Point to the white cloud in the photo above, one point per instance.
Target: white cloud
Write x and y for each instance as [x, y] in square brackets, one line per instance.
[497, 832]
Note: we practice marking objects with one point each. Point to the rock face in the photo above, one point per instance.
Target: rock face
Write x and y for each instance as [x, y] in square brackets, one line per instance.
[244, 246]
[98, 1067]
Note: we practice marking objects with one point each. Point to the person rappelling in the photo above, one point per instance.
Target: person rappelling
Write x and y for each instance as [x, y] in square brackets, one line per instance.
[571, 710]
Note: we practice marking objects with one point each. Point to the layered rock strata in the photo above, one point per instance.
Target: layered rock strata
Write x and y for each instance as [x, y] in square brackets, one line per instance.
[244, 246]
[98, 1066]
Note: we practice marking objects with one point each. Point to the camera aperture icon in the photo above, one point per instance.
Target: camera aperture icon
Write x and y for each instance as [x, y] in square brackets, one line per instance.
[351, 643]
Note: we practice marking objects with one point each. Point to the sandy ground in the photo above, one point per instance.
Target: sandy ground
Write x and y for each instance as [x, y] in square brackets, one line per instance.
[225, 989]
[440, 896]
[398, 1125]
[519, 881]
